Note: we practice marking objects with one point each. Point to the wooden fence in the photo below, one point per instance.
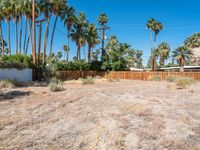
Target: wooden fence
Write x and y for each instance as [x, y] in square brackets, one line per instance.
[149, 75]
[67, 75]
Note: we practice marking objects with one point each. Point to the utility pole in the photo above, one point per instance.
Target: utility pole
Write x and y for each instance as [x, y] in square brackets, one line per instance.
[33, 32]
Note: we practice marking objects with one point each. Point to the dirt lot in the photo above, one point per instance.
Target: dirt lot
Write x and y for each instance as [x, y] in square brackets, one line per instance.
[125, 115]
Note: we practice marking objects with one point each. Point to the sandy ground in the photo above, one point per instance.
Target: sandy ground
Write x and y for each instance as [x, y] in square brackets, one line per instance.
[125, 115]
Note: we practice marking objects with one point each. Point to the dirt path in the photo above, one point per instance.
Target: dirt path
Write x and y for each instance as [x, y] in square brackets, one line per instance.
[125, 115]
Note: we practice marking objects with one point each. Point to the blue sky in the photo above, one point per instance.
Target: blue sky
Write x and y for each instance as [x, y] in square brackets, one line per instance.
[127, 19]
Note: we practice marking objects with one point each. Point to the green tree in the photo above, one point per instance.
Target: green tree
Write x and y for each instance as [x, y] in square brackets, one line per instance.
[182, 55]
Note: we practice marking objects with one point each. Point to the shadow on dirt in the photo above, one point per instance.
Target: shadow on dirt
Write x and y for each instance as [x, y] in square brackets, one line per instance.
[12, 94]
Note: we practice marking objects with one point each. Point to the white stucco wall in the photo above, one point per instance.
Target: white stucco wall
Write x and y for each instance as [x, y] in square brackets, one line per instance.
[24, 75]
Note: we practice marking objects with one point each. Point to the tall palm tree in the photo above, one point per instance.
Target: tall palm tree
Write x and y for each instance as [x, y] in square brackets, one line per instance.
[47, 9]
[1, 30]
[163, 51]
[69, 21]
[103, 20]
[27, 11]
[78, 33]
[66, 49]
[7, 10]
[15, 14]
[58, 8]
[155, 27]
[91, 38]
[182, 55]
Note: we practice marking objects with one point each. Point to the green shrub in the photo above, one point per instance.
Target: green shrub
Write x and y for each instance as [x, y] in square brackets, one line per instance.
[7, 84]
[55, 85]
[172, 78]
[156, 78]
[88, 80]
[183, 82]
[16, 61]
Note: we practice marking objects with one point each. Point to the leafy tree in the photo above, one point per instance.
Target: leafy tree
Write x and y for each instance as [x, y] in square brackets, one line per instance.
[117, 55]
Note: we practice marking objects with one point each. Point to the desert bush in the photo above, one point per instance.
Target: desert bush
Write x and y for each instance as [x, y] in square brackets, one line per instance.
[7, 84]
[183, 82]
[172, 78]
[156, 78]
[88, 80]
[55, 85]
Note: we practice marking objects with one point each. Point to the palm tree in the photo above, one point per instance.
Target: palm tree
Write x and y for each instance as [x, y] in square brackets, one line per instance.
[58, 8]
[47, 9]
[182, 55]
[27, 11]
[15, 15]
[69, 21]
[1, 31]
[163, 52]
[154, 26]
[78, 33]
[66, 49]
[7, 11]
[103, 20]
[91, 38]
[193, 41]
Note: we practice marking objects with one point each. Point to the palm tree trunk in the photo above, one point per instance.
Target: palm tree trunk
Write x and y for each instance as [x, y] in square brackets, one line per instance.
[53, 32]
[20, 37]
[27, 44]
[2, 41]
[103, 38]
[182, 65]
[67, 56]
[9, 46]
[89, 54]
[39, 42]
[68, 36]
[45, 39]
[33, 32]
[161, 61]
[25, 34]
[30, 37]
[154, 59]
[77, 52]
[16, 36]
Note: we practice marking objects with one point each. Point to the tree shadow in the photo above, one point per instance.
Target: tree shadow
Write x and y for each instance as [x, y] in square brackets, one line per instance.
[12, 94]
